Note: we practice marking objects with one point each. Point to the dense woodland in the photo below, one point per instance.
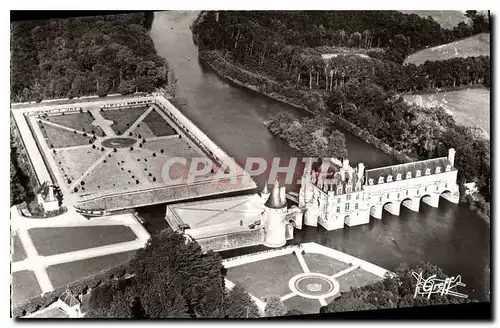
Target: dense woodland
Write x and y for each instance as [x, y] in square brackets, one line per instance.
[395, 292]
[82, 56]
[363, 86]
[266, 33]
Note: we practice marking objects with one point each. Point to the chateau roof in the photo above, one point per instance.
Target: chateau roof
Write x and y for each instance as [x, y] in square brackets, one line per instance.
[431, 164]
[275, 200]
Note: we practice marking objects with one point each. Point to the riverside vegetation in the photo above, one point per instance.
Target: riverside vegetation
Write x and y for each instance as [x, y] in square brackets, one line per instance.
[281, 54]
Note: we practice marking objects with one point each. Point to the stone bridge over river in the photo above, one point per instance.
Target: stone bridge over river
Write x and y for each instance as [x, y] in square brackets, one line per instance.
[353, 195]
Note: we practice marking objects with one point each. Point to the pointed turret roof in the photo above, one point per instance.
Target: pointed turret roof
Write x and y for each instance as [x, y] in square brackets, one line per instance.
[275, 199]
[265, 191]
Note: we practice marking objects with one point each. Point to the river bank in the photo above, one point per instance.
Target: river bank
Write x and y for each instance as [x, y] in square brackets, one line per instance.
[302, 100]
[312, 103]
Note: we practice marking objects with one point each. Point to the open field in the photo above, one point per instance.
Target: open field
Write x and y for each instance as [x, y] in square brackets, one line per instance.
[18, 252]
[446, 18]
[158, 125]
[77, 121]
[470, 107]
[57, 137]
[123, 117]
[65, 273]
[24, 285]
[50, 241]
[477, 45]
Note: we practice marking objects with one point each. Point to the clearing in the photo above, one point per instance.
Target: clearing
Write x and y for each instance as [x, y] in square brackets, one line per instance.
[477, 45]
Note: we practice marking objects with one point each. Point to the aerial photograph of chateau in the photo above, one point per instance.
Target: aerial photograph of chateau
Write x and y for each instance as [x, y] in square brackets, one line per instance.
[250, 164]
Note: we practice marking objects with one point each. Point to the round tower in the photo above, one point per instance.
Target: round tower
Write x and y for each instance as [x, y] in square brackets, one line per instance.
[275, 224]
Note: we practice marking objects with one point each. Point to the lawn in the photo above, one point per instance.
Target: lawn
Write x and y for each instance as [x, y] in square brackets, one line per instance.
[18, 252]
[158, 125]
[149, 164]
[111, 175]
[355, 279]
[59, 138]
[51, 241]
[66, 273]
[323, 264]
[304, 305]
[78, 121]
[123, 118]
[470, 107]
[73, 162]
[477, 45]
[143, 131]
[174, 148]
[24, 286]
[266, 278]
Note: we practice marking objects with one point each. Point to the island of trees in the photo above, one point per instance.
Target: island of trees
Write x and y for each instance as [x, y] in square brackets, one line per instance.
[348, 65]
[310, 136]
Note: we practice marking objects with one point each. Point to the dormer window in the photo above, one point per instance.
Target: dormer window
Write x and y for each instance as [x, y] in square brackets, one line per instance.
[408, 175]
[398, 177]
[448, 168]
[427, 171]
[389, 178]
[419, 173]
[438, 169]
[380, 180]
[370, 182]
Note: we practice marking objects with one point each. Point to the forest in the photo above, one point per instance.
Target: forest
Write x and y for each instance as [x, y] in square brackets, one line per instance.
[360, 80]
[81, 56]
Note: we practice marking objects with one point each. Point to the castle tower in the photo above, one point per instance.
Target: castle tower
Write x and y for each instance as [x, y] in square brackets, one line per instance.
[275, 223]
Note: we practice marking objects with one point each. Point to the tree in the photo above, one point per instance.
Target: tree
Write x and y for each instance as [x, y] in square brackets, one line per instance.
[239, 304]
[394, 292]
[274, 307]
[192, 276]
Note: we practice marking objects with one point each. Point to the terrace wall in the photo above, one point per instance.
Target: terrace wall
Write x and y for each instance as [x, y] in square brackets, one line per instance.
[231, 241]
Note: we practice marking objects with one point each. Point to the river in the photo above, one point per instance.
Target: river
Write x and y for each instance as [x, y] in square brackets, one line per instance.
[452, 237]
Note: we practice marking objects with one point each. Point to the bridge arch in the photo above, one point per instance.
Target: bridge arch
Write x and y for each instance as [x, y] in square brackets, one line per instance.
[446, 194]
[392, 207]
[411, 203]
[430, 199]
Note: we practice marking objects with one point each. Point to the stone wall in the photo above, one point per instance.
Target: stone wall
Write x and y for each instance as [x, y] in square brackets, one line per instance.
[231, 241]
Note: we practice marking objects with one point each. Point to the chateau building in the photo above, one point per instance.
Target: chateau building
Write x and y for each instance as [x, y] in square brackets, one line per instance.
[340, 194]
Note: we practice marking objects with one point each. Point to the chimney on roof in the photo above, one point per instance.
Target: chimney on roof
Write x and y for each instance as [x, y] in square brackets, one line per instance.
[361, 170]
[345, 164]
[451, 156]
